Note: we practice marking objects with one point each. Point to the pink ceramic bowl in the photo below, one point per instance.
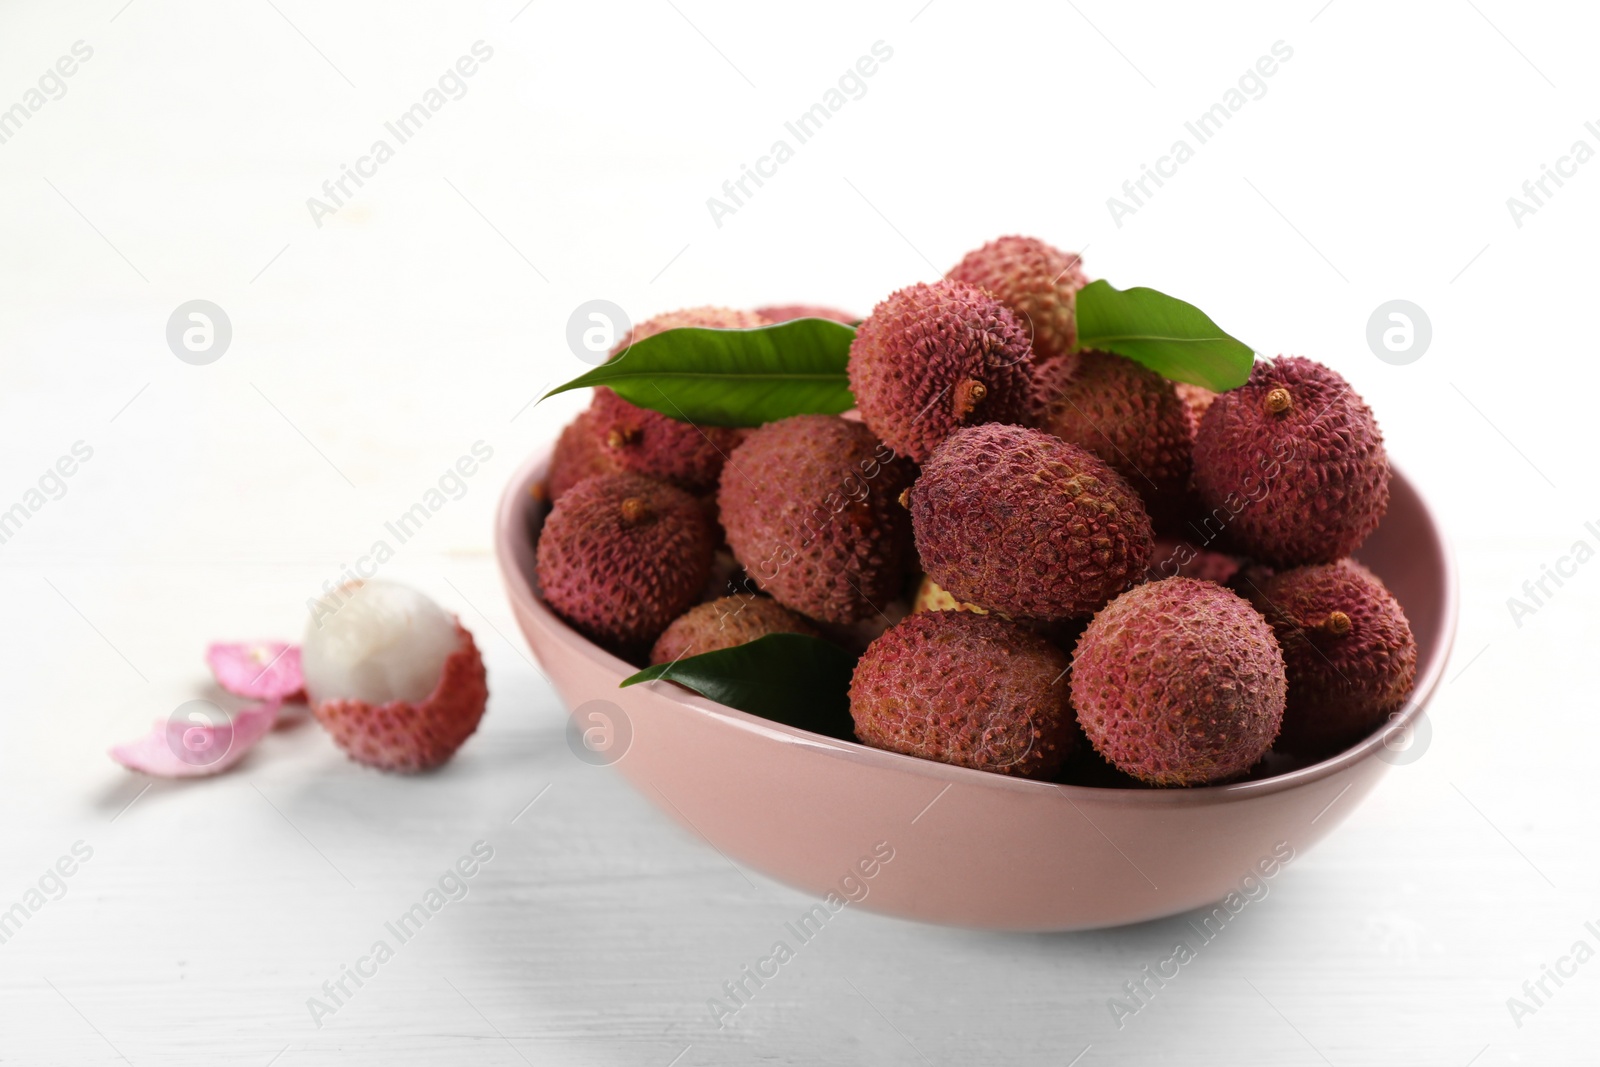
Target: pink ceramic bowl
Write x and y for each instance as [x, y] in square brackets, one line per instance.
[943, 844]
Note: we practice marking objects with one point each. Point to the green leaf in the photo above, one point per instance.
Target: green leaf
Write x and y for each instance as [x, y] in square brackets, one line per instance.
[733, 377]
[1175, 339]
[789, 678]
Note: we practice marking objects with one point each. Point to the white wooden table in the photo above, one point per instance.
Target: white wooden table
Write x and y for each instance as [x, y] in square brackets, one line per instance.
[427, 311]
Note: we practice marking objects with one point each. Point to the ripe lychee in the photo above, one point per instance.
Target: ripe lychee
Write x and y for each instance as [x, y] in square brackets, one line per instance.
[933, 358]
[1179, 682]
[1129, 416]
[1035, 280]
[1347, 647]
[578, 455]
[725, 623]
[614, 435]
[972, 690]
[621, 556]
[1020, 522]
[810, 507]
[789, 312]
[398, 683]
[711, 318]
[1291, 464]
[640, 441]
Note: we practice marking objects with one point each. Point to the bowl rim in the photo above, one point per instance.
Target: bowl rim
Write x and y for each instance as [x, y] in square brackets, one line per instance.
[511, 525]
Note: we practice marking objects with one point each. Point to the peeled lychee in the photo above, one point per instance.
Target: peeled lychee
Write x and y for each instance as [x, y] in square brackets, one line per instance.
[1020, 522]
[1129, 416]
[933, 358]
[621, 556]
[726, 623]
[1179, 682]
[1290, 466]
[1348, 650]
[972, 690]
[398, 683]
[931, 596]
[1036, 281]
[810, 508]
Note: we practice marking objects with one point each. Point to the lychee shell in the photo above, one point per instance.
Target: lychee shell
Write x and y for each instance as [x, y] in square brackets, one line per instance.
[971, 690]
[1305, 484]
[1179, 682]
[1020, 522]
[810, 508]
[619, 578]
[1342, 685]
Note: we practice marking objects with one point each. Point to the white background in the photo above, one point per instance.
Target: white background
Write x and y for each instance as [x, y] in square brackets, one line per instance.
[369, 353]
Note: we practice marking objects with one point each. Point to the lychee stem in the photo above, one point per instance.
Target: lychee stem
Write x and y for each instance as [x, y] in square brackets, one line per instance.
[1278, 401]
[1337, 624]
[905, 498]
[634, 511]
[969, 394]
[619, 438]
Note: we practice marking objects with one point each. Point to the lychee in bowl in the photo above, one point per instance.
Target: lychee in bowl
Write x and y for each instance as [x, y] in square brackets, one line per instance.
[970, 848]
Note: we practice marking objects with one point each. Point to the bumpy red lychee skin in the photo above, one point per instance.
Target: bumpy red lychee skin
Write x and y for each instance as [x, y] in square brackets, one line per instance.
[577, 456]
[971, 690]
[1197, 399]
[1036, 281]
[1129, 416]
[933, 358]
[1292, 464]
[626, 437]
[406, 737]
[1179, 682]
[1347, 647]
[725, 623]
[1020, 522]
[712, 318]
[622, 555]
[810, 508]
[790, 312]
[1176, 558]
[641, 441]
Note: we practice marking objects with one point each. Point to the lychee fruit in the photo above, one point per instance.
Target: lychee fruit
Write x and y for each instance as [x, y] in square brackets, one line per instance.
[726, 623]
[1020, 522]
[972, 690]
[810, 508]
[397, 682]
[640, 441]
[622, 555]
[1179, 682]
[1129, 416]
[933, 358]
[625, 437]
[1035, 280]
[1177, 558]
[711, 318]
[577, 456]
[1347, 647]
[1197, 399]
[1291, 464]
[790, 312]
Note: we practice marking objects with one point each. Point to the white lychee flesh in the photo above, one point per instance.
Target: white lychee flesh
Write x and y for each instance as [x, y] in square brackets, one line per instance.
[376, 642]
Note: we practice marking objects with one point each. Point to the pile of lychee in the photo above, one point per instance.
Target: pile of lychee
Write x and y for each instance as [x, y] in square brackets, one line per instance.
[1030, 545]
